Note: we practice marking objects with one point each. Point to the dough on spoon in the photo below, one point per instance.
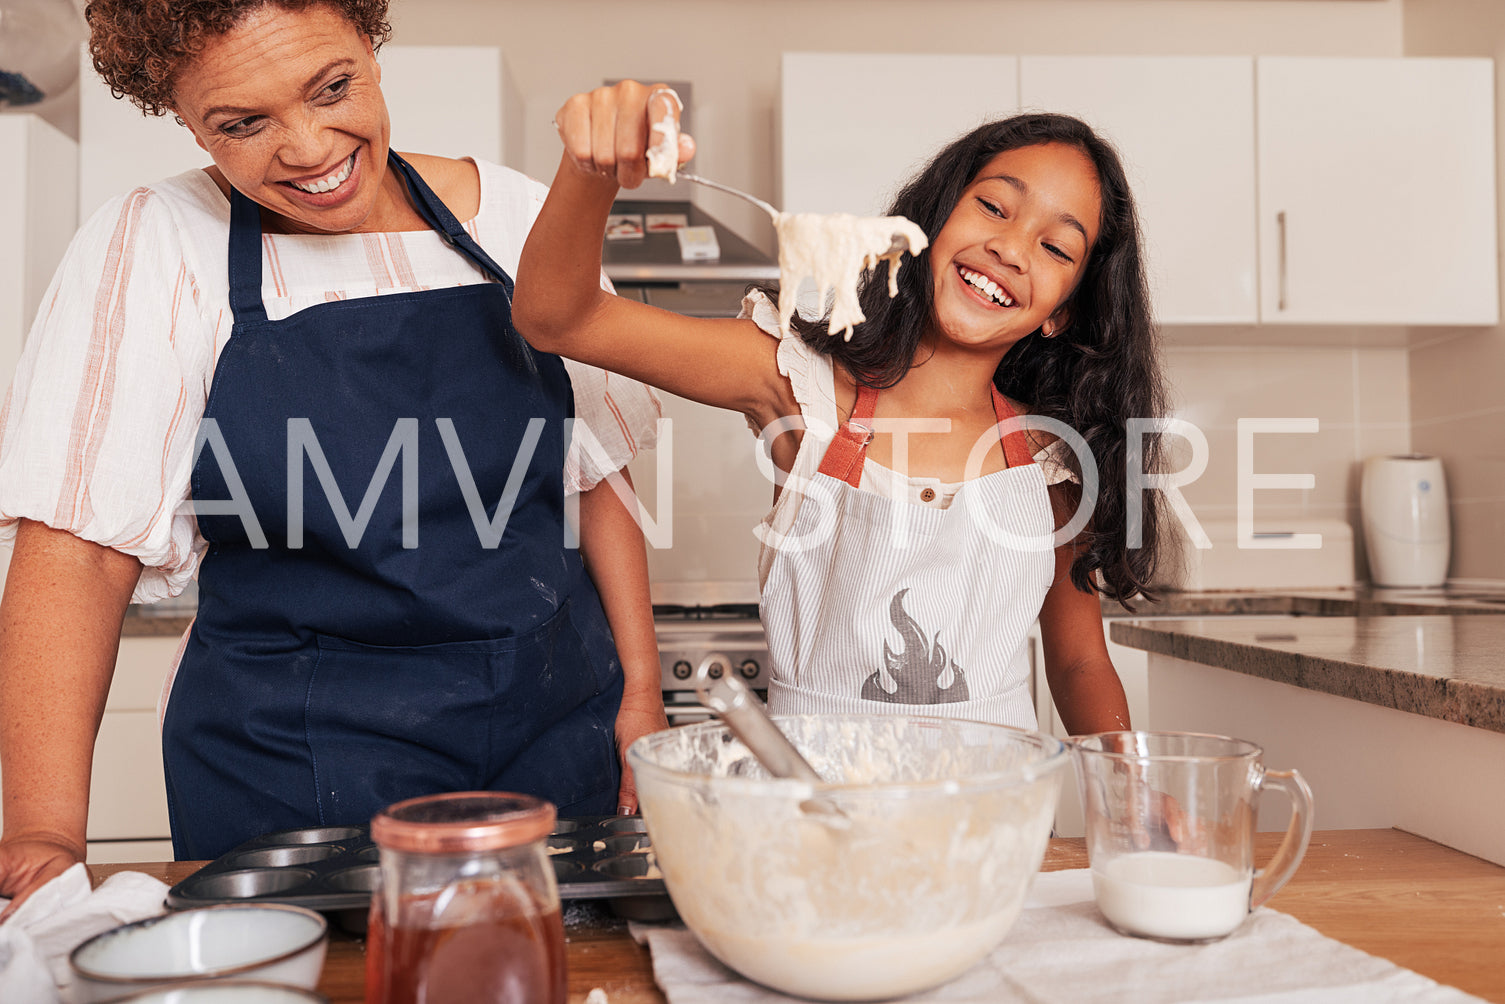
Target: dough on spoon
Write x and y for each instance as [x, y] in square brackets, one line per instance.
[834, 249]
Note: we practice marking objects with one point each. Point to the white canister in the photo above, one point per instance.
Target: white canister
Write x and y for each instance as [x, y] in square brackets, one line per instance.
[1404, 501]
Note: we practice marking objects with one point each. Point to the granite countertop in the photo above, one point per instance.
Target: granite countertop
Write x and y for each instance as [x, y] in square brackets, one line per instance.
[1356, 601]
[1446, 666]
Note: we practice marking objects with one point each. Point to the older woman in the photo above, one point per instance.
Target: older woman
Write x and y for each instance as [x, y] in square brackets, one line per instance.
[299, 365]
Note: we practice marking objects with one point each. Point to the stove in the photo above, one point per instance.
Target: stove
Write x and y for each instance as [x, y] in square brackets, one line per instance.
[687, 633]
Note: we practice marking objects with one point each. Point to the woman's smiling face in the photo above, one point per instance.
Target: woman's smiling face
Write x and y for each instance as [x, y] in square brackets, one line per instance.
[289, 105]
[1015, 246]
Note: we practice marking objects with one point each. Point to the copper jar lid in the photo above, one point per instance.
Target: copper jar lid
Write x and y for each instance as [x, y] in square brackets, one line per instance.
[461, 822]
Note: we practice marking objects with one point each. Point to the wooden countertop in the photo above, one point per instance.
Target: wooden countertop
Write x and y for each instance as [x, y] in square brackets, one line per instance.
[1421, 905]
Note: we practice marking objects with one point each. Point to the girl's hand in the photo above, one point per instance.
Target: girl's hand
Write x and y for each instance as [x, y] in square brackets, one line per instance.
[607, 132]
[635, 719]
[1154, 819]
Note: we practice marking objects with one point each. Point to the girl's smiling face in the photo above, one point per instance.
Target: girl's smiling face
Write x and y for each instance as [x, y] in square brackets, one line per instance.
[288, 104]
[1015, 246]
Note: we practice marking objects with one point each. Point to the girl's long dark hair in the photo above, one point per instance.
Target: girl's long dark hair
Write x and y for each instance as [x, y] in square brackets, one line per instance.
[1099, 371]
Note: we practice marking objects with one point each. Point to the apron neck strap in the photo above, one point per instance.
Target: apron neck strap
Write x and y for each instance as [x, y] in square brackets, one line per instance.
[245, 260]
[844, 457]
[1015, 445]
[437, 215]
[848, 450]
[246, 240]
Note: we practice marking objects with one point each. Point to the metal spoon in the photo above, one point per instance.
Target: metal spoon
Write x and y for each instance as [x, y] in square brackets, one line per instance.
[668, 144]
[900, 242]
[723, 692]
[773, 213]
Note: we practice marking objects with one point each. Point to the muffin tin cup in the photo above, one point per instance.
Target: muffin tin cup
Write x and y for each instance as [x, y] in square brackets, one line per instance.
[610, 858]
[333, 869]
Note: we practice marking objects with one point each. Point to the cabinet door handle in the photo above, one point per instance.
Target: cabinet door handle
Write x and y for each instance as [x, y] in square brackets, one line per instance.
[1280, 224]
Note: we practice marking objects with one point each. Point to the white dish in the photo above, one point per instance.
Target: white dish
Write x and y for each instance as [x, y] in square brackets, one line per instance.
[267, 942]
[224, 992]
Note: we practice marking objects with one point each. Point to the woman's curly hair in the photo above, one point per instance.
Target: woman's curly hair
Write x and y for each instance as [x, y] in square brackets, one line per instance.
[139, 46]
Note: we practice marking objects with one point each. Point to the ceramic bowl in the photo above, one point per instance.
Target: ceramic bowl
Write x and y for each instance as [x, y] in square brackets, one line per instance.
[903, 870]
[265, 942]
[223, 992]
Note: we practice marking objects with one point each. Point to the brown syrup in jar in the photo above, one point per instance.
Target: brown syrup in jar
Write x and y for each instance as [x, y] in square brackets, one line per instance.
[498, 956]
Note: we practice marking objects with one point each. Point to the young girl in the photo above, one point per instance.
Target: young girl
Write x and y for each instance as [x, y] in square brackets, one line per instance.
[917, 535]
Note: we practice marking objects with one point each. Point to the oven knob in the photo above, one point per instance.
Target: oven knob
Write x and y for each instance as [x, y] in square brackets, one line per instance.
[682, 670]
[715, 669]
[749, 669]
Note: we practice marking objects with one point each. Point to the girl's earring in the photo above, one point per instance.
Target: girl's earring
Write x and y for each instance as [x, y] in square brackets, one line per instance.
[1046, 331]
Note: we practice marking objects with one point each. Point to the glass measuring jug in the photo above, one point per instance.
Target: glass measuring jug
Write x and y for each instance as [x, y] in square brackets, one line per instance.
[1170, 831]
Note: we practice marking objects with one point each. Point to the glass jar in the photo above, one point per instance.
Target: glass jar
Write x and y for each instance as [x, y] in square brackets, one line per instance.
[466, 907]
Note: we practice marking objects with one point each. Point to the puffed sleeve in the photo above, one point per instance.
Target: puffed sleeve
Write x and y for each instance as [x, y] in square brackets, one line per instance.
[1054, 463]
[808, 371]
[97, 431]
[615, 419]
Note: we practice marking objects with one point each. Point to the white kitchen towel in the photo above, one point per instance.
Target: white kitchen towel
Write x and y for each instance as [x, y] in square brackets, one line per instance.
[1061, 951]
[36, 940]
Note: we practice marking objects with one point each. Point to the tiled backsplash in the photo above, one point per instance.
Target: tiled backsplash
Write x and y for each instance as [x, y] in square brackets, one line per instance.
[1458, 413]
[1359, 397]
[1457, 409]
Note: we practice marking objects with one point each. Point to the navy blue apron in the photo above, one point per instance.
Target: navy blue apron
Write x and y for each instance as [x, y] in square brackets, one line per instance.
[375, 647]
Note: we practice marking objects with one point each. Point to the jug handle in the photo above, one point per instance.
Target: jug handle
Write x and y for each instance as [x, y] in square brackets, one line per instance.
[1269, 879]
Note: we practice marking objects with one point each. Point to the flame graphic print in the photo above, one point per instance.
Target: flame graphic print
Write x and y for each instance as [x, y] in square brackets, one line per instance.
[922, 673]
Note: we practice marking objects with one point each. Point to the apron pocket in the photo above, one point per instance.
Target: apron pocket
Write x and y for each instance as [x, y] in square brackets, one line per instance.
[384, 723]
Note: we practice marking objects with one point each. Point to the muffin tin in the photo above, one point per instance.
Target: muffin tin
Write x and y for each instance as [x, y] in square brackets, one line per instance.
[333, 869]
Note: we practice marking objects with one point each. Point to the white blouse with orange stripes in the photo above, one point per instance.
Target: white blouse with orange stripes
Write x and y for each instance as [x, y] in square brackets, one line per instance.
[97, 433]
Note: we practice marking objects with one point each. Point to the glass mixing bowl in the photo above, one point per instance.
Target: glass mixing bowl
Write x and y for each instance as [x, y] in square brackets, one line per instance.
[938, 828]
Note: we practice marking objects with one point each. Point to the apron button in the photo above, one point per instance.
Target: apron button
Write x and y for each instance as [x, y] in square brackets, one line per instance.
[927, 495]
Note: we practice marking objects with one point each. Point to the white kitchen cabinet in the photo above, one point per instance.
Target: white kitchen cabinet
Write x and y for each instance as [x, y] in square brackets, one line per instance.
[1368, 766]
[1184, 128]
[128, 797]
[1377, 191]
[127, 800]
[120, 148]
[855, 126]
[1276, 190]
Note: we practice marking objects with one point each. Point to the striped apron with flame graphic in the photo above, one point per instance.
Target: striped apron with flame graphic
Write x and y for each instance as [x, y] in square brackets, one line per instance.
[878, 605]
